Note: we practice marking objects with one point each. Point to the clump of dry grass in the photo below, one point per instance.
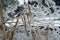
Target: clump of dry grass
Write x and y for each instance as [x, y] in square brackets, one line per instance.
[3, 34]
[24, 24]
[47, 32]
[38, 34]
[2, 27]
[11, 32]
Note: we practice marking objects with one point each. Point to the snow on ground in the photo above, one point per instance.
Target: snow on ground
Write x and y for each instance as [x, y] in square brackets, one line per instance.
[40, 18]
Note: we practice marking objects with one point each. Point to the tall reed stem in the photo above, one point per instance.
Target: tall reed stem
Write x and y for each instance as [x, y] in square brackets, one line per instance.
[47, 33]
[11, 32]
[2, 27]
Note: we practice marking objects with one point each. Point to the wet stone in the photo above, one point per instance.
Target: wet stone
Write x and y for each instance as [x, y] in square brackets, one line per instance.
[51, 29]
[32, 3]
[57, 32]
[59, 27]
[41, 27]
[34, 15]
[17, 31]
[28, 31]
[21, 31]
[47, 13]
[52, 10]
[57, 8]
[31, 26]
[55, 29]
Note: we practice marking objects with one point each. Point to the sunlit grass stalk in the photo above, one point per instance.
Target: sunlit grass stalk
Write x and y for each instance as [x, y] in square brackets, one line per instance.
[29, 9]
[38, 33]
[35, 36]
[11, 32]
[30, 20]
[25, 26]
[2, 27]
[47, 33]
[29, 15]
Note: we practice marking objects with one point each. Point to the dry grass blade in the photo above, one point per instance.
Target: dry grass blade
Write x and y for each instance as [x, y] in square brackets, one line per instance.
[35, 36]
[46, 33]
[29, 14]
[11, 32]
[28, 20]
[2, 27]
[25, 26]
[38, 33]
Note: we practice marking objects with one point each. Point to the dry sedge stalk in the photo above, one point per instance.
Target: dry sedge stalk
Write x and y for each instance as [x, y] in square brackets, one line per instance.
[23, 19]
[29, 15]
[28, 20]
[35, 35]
[38, 33]
[1, 10]
[11, 32]
[2, 27]
[2, 34]
[24, 23]
[46, 33]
